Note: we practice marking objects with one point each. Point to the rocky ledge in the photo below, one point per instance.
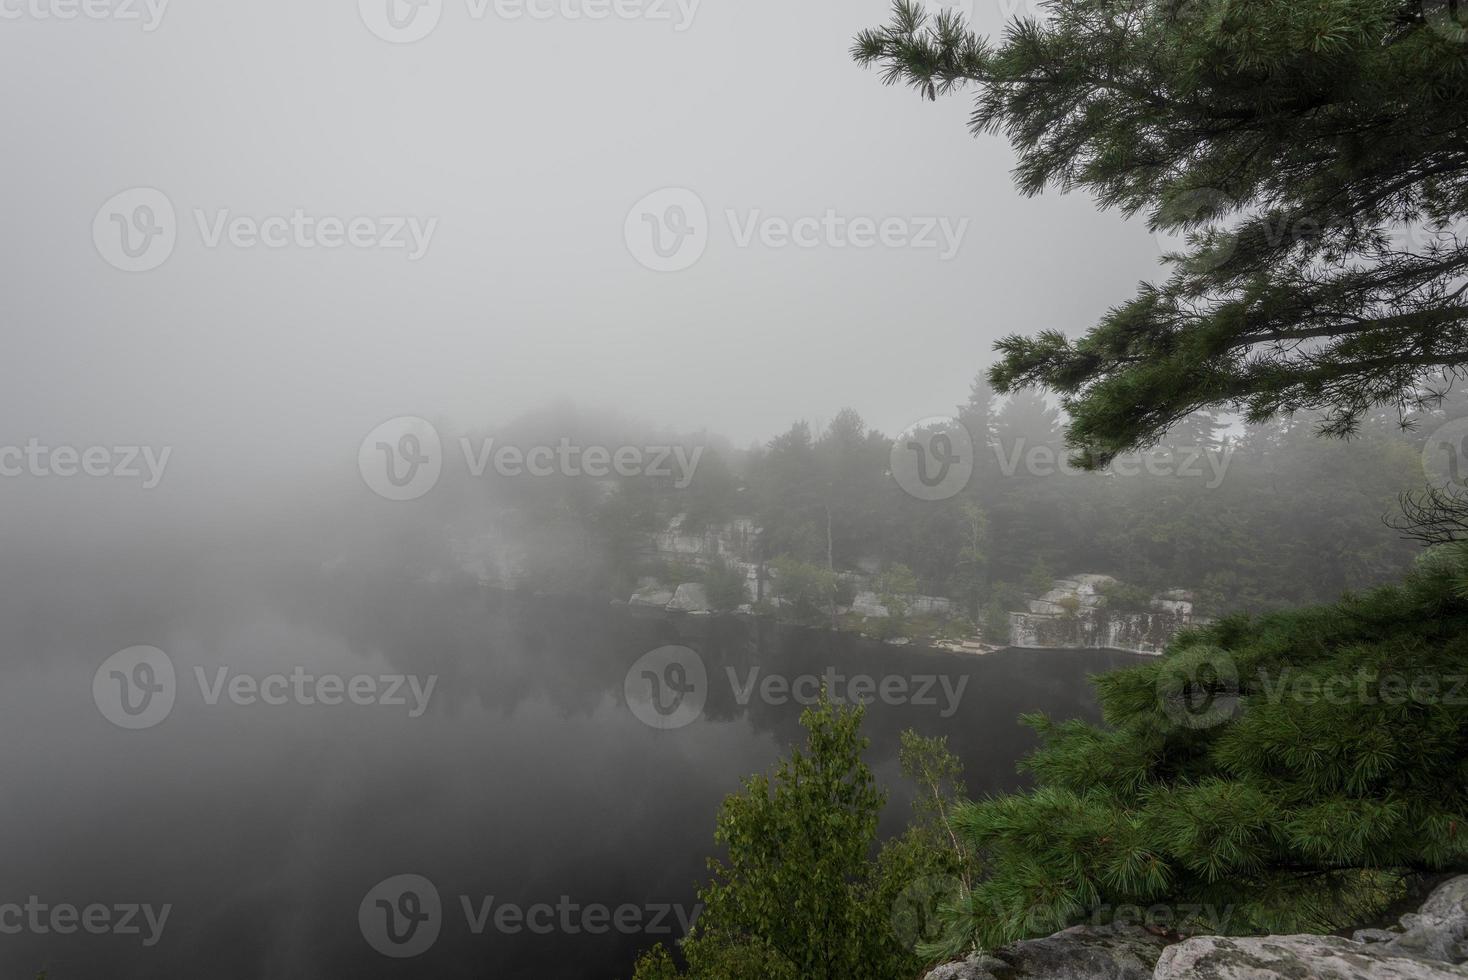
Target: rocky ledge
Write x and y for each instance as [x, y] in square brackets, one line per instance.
[1077, 614]
[1431, 944]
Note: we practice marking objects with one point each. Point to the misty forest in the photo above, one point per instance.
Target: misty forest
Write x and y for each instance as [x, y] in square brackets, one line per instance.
[917, 490]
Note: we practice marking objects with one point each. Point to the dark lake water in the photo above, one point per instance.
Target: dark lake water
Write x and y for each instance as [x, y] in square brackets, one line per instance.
[267, 828]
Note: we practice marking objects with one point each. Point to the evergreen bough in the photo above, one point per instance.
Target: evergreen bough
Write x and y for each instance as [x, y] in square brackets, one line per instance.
[1284, 773]
[1315, 156]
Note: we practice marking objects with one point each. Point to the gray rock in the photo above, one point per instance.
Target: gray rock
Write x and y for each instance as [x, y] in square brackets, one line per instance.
[1294, 958]
[690, 597]
[651, 597]
[973, 968]
[1439, 930]
[1079, 953]
[1432, 946]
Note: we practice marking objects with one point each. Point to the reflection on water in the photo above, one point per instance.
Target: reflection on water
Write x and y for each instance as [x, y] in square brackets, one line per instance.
[265, 828]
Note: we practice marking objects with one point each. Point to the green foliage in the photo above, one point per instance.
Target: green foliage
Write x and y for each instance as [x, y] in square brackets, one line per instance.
[971, 574]
[810, 589]
[1126, 598]
[799, 895]
[1293, 769]
[1311, 153]
[996, 623]
[897, 581]
[1040, 578]
[725, 587]
[1269, 518]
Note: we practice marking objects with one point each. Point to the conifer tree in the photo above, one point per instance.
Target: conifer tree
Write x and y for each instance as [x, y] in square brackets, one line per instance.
[1286, 773]
[1315, 155]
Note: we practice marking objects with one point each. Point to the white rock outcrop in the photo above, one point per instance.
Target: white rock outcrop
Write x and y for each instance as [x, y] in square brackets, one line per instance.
[1074, 614]
[1293, 957]
[1431, 944]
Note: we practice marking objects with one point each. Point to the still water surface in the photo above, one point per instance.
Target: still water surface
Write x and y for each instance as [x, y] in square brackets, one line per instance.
[527, 780]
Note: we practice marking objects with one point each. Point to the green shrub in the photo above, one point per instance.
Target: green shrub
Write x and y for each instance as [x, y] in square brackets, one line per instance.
[800, 895]
[1293, 769]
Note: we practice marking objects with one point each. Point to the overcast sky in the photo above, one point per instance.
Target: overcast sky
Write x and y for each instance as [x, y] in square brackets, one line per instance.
[522, 144]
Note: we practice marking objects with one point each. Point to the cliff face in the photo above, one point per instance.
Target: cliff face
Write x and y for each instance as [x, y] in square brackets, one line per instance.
[1074, 614]
[734, 541]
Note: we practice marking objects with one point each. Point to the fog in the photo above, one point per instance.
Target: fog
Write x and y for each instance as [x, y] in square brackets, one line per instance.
[528, 140]
[254, 251]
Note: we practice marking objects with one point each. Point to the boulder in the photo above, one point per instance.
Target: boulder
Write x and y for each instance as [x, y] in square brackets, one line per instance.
[1294, 958]
[1112, 952]
[930, 605]
[1431, 945]
[690, 597]
[868, 604]
[1437, 931]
